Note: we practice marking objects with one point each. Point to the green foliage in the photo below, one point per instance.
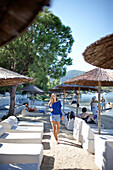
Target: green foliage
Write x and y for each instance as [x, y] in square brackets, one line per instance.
[42, 51]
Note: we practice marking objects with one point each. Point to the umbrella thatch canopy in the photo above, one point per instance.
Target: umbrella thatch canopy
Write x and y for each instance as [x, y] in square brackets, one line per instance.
[100, 53]
[55, 89]
[95, 77]
[9, 78]
[92, 77]
[32, 89]
[16, 15]
[75, 87]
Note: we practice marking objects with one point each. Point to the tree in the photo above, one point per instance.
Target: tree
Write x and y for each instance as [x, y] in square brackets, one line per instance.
[52, 44]
[42, 51]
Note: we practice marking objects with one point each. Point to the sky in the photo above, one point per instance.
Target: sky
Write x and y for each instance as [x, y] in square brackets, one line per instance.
[89, 21]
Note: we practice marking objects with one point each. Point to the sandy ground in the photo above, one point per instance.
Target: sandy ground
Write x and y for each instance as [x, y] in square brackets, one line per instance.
[68, 154]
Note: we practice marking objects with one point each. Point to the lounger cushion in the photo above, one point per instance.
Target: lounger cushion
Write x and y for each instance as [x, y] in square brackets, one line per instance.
[104, 151]
[7, 123]
[15, 120]
[2, 130]
[27, 113]
[70, 124]
[21, 138]
[77, 128]
[25, 123]
[25, 129]
[20, 153]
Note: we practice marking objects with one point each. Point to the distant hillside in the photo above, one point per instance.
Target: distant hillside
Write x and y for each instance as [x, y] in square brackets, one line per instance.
[70, 74]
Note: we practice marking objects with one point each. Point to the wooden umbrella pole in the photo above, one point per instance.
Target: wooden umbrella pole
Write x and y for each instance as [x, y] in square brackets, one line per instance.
[63, 100]
[31, 98]
[77, 101]
[99, 122]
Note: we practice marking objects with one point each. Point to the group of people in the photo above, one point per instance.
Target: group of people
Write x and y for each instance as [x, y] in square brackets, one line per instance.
[56, 113]
[102, 101]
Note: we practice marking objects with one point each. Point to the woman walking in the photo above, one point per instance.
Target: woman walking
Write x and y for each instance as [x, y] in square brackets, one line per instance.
[55, 115]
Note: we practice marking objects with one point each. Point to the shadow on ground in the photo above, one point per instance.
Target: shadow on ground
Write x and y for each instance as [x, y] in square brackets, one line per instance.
[64, 142]
[46, 145]
[47, 163]
[46, 136]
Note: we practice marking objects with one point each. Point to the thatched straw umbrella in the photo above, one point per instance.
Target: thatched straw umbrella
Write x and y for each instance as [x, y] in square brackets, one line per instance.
[100, 53]
[10, 78]
[76, 87]
[33, 90]
[16, 15]
[55, 89]
[96, 77]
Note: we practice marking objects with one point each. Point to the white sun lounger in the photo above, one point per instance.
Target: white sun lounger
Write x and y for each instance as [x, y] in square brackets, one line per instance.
[34, 113]
[35, 138]
[8, 124]
[70, 124]
[33, 166]
[21, 153]
[77, 129]
[26, 123]
[104, 152]
[88, 133]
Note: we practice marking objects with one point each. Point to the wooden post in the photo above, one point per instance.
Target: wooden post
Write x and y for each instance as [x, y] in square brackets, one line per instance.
[12, 100]
[77, 101]
[31, 98]
[99, 121]
[63, 100]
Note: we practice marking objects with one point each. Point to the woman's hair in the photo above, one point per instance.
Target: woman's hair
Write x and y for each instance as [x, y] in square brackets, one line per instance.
[84, 109]
[52, 99]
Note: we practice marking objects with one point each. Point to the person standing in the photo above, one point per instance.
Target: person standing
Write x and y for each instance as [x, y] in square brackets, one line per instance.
[103, 103]
[94, 107]
[93, 100]
[55, 115]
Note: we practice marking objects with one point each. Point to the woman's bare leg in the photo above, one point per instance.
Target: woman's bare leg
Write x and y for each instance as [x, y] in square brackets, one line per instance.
[54, 129]
[57, 131]
[58, 127]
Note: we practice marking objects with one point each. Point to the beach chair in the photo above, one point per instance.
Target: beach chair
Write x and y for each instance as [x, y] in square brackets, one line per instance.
[104, 152]
[26, 123]
[9, 126]
[88, 136]
[77, 129]
[70, 124]
[21, 153]
[25, 112]
[5, 137]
